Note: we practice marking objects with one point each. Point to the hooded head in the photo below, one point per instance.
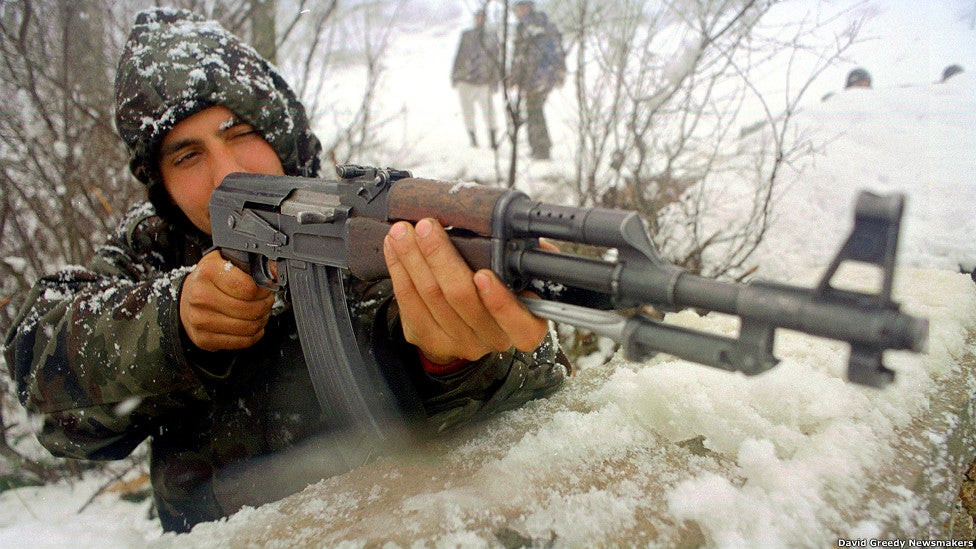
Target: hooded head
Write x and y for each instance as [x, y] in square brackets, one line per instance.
[524, 8]
[858, 78]
[176, 64]
[951, 71]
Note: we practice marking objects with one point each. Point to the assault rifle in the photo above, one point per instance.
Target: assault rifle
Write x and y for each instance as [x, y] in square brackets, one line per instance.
[316, 231]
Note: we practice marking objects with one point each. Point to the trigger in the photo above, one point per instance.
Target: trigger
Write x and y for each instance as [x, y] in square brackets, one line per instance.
[265, 273]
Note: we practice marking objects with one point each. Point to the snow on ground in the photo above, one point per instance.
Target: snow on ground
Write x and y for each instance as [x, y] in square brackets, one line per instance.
[666, 451]
[51, 517]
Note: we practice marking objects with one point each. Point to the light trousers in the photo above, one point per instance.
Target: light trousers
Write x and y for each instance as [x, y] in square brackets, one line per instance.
[480, 97]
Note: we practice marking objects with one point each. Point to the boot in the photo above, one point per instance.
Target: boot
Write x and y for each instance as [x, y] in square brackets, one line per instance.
[491, 139]
[474, 140]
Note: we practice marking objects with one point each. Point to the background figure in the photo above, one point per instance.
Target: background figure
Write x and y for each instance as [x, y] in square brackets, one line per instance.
[475, 76]
[858, 78]
[950, 71]
[538, 66]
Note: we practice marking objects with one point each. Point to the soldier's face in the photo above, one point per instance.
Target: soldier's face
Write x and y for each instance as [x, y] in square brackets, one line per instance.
[200, 150]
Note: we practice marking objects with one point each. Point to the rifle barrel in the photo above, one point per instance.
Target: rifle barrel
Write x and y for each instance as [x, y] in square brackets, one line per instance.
[800, 309]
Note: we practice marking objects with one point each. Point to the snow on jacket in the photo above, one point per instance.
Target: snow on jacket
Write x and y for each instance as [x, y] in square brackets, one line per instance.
[176, 64]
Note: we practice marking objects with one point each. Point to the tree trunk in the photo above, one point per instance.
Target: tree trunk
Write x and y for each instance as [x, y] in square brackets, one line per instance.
[263, 35]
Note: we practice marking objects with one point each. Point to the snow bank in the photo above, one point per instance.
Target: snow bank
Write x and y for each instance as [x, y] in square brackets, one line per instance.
[60, 515]
[916, 140]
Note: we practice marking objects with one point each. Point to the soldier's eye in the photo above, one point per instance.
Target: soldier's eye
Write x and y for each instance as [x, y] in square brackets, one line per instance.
[243, 130]
[184, 157]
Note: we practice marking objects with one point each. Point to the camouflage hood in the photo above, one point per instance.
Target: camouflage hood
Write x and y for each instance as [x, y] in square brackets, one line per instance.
[176, 64]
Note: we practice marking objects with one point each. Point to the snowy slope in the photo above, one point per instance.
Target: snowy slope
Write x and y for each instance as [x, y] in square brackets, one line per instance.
[915, 140]
[668, 451]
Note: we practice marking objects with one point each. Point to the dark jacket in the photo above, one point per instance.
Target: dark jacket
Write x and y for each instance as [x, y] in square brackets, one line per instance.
[478, 59]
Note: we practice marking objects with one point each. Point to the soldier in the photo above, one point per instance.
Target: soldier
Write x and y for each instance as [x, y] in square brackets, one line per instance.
[538, 66]
[475, 75]
[158, 339]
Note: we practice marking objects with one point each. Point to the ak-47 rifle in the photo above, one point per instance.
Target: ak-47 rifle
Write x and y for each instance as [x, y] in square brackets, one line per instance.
[317, 230]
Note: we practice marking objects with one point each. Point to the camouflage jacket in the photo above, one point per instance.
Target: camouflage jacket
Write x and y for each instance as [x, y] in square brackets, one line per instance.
[538, 58]
[99, 352]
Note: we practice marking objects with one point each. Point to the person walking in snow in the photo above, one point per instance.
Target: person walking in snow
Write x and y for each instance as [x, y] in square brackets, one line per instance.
[538, 66]
[475, 75]
[158, 338]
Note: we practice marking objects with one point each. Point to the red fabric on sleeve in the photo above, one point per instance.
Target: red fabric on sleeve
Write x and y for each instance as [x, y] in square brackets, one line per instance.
[441, 369]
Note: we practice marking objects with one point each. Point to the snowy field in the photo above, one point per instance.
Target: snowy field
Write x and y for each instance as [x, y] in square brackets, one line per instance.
[666, 452]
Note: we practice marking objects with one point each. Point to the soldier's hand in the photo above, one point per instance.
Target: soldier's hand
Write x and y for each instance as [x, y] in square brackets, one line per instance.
[221, 308]
[448, 311]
